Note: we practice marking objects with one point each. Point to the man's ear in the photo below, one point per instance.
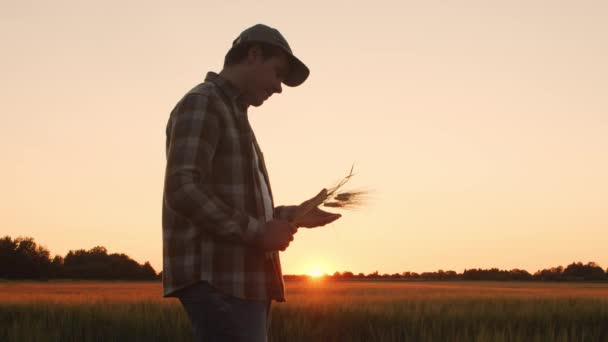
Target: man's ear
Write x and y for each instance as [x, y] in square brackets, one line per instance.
[253, 54]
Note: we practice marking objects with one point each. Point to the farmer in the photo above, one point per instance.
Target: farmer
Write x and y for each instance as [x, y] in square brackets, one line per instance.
[221, 231]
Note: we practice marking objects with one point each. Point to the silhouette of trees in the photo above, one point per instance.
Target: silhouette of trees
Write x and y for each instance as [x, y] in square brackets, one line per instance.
[410, 275]
[578, 271]
[291, 277]
[57, 270]
[374, 275]
[481, 274]
[22, 258]
[347, 274]
[551, 274]
[96, 263]
[517, 274]
[447, 275]
[573, 272]
[496, 274]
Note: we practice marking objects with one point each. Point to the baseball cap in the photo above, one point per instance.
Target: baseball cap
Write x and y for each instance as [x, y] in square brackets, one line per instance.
[298, 71]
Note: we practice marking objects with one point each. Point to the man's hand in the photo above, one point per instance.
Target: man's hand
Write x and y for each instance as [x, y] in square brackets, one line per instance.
[316, 218]
[310, 216]
[277, 235]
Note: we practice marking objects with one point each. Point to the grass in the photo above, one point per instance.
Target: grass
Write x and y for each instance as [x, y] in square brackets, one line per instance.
[318, 311]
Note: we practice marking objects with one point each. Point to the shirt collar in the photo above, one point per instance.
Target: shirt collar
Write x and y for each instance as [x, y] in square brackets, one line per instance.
[227, 88]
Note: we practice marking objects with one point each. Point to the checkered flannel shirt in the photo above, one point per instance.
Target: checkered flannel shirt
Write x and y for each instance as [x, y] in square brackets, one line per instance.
[213, 211]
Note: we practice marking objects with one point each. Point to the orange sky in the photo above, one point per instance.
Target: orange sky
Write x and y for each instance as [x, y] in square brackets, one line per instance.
[480, 125]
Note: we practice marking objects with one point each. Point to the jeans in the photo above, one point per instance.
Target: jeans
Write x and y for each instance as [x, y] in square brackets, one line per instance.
[216, 316]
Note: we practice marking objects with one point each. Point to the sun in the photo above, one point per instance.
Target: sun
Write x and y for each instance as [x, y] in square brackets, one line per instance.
[316, 269]
[315, 273]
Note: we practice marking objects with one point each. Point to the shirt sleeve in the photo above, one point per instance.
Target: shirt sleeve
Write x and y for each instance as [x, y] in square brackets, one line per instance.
[285, 212]
[193, 133]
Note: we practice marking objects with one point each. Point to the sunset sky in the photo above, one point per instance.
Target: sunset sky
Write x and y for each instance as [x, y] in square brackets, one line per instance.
[481, 126]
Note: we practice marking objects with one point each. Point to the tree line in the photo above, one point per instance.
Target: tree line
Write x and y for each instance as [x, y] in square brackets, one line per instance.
[576, 271]
[23, 258]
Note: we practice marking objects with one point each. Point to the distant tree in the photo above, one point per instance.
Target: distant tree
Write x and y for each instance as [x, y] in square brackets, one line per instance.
[578, 271]
[56, 269]
[517, 274]
[8, 257]
[450, 275]
[290, 277]
[490, 274]
[347, 275]
[373, 275]
[410, 275]
[23, 258]
[551, 274]
[428, 276]
[96, 263]
[147, 271]
[91, 264]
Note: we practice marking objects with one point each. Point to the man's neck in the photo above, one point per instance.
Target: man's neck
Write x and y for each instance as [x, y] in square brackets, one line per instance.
[235, 81]
[231, 76]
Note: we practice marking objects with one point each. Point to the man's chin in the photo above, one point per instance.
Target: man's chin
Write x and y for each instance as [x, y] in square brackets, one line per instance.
[258, 103]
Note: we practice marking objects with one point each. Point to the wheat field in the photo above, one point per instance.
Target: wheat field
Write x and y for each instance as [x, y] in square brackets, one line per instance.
[317, 310]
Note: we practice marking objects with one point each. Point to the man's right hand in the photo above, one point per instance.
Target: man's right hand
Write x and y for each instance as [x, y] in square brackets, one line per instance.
[277, 235]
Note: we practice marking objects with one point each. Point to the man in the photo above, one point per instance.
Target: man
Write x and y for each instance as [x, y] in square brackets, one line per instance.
[221, 230]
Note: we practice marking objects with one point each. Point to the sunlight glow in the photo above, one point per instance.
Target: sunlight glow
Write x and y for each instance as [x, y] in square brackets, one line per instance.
[316, 273]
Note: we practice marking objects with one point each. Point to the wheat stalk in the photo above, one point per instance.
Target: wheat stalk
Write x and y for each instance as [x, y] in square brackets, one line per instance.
[334, 197]
[337, 198]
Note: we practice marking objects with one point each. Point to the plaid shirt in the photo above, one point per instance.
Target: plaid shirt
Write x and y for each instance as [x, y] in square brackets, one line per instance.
[213, 210]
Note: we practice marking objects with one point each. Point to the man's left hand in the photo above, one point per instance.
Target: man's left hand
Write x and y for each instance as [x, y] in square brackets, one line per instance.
[310, 216]
[316, 218]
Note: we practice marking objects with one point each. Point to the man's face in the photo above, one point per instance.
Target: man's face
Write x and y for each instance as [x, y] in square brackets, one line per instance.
[265, 76]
